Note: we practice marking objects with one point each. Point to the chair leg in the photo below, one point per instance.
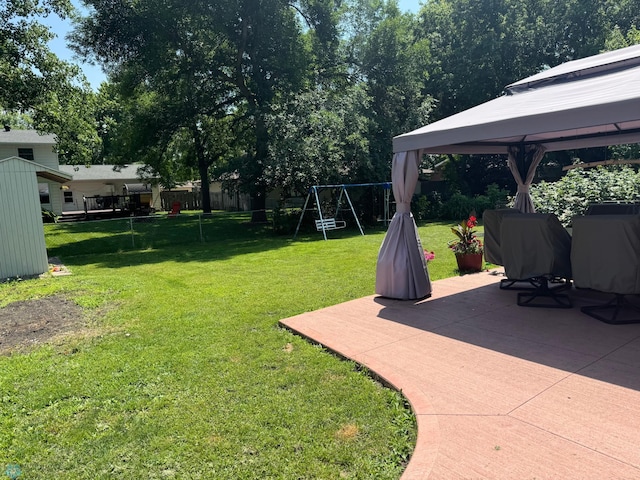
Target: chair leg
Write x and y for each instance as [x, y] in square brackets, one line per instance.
[616, 305]
[527, 299]
[510, 284]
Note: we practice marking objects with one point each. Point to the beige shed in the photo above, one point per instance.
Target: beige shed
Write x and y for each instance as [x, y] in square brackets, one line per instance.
[22, 246]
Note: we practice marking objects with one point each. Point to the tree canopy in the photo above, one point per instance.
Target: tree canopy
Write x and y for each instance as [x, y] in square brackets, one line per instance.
[286, 93]
[35, 82]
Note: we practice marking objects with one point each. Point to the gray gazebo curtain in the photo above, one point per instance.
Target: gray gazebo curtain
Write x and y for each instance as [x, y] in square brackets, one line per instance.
[523, 200]
[402, 270]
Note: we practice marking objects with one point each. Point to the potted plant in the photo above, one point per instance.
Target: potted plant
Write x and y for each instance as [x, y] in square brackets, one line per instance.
[467, 247]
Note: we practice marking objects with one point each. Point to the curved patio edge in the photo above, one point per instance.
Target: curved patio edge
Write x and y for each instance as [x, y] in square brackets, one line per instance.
[428, 432]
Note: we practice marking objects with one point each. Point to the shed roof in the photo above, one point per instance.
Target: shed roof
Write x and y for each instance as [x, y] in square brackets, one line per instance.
[41, 170]
[26, 137]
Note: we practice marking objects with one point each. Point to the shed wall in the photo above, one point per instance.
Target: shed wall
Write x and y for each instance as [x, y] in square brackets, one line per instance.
[22, 245]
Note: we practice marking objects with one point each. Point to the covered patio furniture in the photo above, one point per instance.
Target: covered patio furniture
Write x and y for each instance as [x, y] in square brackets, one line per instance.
[537, 248]
[613, 209]
[492, 221]
[605, 257]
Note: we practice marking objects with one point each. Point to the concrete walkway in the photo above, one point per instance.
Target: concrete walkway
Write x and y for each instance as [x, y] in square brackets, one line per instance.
[499, 391]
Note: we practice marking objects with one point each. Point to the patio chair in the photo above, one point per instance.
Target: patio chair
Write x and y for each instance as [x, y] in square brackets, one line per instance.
[175, 209]
[605, 257]
[536, 247]
[492, 221]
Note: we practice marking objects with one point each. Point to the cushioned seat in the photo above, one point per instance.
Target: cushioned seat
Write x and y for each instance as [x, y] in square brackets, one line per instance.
[606, 257]
[536, 247]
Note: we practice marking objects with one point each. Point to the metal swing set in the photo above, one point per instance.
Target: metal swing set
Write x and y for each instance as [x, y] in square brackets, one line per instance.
[325, 224]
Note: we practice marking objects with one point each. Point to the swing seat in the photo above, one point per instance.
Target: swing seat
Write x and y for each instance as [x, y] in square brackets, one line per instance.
[330, 224]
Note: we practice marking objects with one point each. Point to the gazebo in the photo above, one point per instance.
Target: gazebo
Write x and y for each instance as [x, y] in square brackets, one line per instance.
[591, 102]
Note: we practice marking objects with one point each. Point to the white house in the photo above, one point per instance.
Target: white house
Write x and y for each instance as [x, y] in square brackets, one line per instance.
[104, 181]
[35, 147]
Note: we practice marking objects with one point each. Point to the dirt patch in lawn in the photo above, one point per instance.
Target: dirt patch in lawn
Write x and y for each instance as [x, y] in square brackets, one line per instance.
[33, 322]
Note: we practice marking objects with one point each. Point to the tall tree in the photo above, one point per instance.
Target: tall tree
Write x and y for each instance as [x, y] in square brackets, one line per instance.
[478, 47]
[390, 62]
[28, 68]
[35, 81]
[200, 62]
[167, 58]
[318, 137]
[276, 44]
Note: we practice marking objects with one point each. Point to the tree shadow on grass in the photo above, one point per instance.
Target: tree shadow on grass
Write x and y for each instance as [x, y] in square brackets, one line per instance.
[145, 240]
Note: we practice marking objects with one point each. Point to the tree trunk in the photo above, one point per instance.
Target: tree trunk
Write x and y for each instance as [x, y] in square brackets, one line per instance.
[259, 206]
[203, 169]
[205, 193]
[259, 195]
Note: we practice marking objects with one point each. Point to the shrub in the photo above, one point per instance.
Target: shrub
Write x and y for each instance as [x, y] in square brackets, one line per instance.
[420, 207]
[48, 216]
[285, 220]
[460, 206]
[573, 193]
[434, 205]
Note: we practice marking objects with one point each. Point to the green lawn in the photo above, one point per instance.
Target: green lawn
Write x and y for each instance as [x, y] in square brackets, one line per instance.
[183, 372]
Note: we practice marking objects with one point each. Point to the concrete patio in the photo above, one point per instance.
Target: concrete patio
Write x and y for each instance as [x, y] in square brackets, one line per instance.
[499, 391]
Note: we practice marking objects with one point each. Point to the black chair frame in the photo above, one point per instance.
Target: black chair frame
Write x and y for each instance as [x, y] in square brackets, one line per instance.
[617, 305]
[551, 296]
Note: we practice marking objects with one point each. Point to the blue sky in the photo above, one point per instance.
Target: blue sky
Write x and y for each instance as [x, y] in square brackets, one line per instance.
[58, 45]
[94, 73]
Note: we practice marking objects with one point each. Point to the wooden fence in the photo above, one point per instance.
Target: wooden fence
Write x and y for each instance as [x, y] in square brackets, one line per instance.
[188, 200]
[193, 201]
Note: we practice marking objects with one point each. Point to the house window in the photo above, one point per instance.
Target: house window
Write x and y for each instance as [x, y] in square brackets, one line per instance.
[44, 192]
[68, 196]
[26, 153]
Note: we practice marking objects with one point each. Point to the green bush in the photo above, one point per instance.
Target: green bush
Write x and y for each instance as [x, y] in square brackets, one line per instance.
[460, 206]
[420, 207]
[285, 220]
[493, 198]
[497, 197]
[434, 205]
[573, 193]
[48, 216]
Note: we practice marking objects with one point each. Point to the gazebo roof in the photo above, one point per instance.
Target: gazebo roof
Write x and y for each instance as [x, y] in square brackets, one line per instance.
[585, 103]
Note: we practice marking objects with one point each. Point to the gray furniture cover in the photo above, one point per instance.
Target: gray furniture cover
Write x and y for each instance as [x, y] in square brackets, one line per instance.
[535, 245]
[492, 221]
[605, 253]
[613, 209]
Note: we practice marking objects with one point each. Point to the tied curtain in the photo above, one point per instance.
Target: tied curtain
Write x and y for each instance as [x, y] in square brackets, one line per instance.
[523, 200]
[401, 271]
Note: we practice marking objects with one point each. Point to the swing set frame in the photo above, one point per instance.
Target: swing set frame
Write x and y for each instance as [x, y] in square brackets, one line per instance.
[327, 224]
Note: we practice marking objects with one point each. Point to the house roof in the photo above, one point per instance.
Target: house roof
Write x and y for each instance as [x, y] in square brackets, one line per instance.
[41, 170]
[26, 137]
[103, 172]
